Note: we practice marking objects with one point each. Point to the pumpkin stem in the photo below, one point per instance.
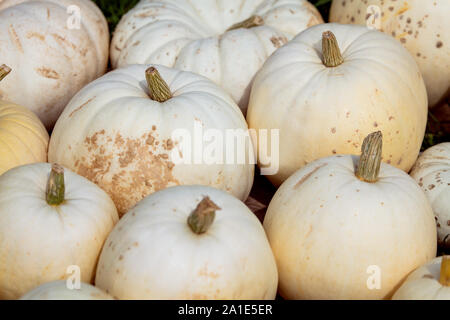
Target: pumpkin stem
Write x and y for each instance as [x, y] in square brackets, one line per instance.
[157, 87]
[4, 71]
[55, 186]
[370, 159]
[445, 271]
[332, 56]
[253, 21]
[203, 216]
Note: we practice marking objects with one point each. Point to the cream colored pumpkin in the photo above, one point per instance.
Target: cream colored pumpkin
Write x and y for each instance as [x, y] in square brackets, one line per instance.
[422, 26]
[336, 236]
[323, 110]
[58, 290]
[432, 173]
[54, 47]
[114, 134]
[23, 138]
[429, 282]
[188, 242]
[40, 236]
[194, 36]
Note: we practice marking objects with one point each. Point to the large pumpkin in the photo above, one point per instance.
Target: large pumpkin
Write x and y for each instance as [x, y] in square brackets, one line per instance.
[50, 219]
[422, 26]
[346, 227]
[54, 47]
[122, 134]
[188, 242]
[432, 173]
[226, 41]
[23, 138]
[331, 86]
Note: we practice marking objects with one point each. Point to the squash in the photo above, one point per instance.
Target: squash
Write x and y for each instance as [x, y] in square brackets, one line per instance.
[432, 173]
[133, 139]
[50, 219]
[225, 41]
[23, 138]
[188, 242]
[54, 47]
[330, 87]
[58, 290]
[429, 282]
[343, 233]
[421, 26]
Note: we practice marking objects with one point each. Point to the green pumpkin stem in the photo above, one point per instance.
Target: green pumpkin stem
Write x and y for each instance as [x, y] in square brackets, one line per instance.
[157, 87]
[55, 186]
[253, 21]
[370, 159]
[332, 56]
[203, 216]
[445, 271]
[4, 71]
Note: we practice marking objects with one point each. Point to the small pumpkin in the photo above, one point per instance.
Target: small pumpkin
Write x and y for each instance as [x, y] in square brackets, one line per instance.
[122, 134]
[421, 26]
[432, 173]
[50, 219]
[58, 290]
[188, 242]
[225, 41]
[23, 138]
[54, 47]
[340, 232]
[330, 87]
[429, 282]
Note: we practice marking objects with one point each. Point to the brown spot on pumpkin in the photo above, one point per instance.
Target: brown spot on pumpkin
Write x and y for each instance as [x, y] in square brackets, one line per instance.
[439, 44]
[278, 41]
[427, 276]
[431, 187]
[32, 34]
[48, 73]
[121, 257]
[80, 107]
[15, 38]
[307, 176]
[333, 130]
[448, 223]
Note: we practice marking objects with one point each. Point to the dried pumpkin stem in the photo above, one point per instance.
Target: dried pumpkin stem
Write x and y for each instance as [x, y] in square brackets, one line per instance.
[332, 56]
[55, 186]
[203, 216]
[157, 87]
[4, 71]
[370, 159]
[253, 21]
[445, 271]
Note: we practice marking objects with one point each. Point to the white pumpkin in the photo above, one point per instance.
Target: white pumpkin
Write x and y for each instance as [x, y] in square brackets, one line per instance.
[326, 98]
[114, 134]
[432, 173]
[188, 242]
[422, 26]
[206, 37]
[54, 48]
[341, 234]
[59, 290]
[429, 282]
[50, 219]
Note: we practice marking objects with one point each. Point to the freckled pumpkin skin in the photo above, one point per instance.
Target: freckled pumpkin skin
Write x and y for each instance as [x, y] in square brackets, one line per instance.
[112, 133]
[432, 173]
[323, 111]
[192, 36]
[50, 62]
[153, 254]
[326, 227]
[23, 138]
[421, 26]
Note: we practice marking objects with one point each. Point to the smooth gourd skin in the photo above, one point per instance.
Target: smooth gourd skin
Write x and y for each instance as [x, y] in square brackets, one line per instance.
[192, 36]
[115, 135]
[153, 254]
[432, 173]
[420, 25]
[50, 61]
[23, 138]
[323, 111]
[38, 242]
[327, 228]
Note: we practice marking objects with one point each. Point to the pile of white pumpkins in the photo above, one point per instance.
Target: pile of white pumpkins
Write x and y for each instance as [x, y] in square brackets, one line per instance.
[101, 198]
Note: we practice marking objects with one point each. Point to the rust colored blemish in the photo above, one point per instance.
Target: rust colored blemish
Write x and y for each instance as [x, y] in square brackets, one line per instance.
[306, 177]
[80, 107]
[32, 34]
[278, 41]
[15, 38]
[48, 73]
